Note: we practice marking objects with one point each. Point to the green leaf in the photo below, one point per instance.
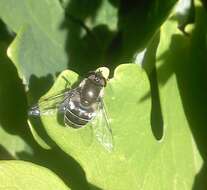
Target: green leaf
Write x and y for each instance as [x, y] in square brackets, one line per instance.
[25, 176]
[39, 48]
[47, 42]
[14, 138]
[11, 145]
[110, 32]
[181, 75]
[185, 11]
[94, 13]
[138, 160]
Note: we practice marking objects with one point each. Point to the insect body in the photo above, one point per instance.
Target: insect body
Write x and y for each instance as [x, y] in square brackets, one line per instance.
[81, 105]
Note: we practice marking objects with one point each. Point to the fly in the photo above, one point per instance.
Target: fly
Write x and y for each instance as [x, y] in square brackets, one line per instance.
[80, 106]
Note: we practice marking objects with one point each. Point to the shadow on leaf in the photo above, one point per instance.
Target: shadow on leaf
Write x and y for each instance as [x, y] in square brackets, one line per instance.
[186, 58]
[13, 118]
[89, 47]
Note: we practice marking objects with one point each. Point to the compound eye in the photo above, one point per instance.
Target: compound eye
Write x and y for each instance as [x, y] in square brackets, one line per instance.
[92, 77]
[91, 73]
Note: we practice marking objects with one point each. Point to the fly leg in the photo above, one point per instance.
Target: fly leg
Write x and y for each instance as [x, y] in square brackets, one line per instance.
[67, 83]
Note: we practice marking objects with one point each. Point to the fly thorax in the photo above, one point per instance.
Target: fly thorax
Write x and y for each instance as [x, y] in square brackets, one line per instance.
[89, 93]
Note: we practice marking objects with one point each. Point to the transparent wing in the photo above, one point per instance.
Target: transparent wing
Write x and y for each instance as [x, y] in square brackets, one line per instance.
[50, 104]
[102, 129]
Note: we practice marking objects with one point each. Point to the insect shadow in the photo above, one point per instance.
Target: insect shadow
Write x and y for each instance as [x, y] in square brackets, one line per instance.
[65, 166]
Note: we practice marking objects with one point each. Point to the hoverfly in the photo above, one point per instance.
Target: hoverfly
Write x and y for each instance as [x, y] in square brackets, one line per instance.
[79, 106]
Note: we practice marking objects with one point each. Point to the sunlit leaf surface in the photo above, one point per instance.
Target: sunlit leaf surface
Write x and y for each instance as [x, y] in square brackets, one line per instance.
[25, 176]
[138, 159]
